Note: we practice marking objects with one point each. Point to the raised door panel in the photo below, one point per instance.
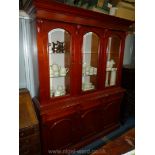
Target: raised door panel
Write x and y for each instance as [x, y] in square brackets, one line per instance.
[92, 121]
[112, 113]
[60, 134]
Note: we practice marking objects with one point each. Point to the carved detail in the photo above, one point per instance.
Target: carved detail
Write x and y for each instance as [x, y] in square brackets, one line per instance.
[58, 122]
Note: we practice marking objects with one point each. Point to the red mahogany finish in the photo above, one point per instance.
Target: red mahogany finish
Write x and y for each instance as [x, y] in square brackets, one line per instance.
[74, 120]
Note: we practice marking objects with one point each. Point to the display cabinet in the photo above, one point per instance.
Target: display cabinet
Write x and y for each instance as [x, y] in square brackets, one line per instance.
[80, 55]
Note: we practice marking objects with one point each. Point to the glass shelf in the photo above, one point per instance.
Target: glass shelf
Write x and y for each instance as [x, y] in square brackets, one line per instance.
[85, 75]
[59, 76]
[55, 93]
[90, 53]
[58, 53]
[89, 89]
[113, 52]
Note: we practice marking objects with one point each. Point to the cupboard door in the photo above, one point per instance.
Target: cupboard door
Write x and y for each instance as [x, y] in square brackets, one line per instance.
[92, 121]
[112, 113]
[59, 133]
[114, 55]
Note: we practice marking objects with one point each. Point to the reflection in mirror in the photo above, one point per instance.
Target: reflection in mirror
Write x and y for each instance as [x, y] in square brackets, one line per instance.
[90, 61]
[113, 52]
[59, 62]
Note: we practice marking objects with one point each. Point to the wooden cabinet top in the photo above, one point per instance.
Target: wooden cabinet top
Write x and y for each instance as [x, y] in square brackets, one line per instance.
[52, 10]
[27, 115]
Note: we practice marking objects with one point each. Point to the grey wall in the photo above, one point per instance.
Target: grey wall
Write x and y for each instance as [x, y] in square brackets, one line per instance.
[28, 65]
[22, 74]
[129, 52]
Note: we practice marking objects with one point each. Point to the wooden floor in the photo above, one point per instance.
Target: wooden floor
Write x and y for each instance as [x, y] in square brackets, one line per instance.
[118, 146]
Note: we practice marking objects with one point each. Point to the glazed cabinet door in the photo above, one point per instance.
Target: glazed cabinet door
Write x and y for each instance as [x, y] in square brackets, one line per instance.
[56, 56]
[90, 52]
[114, 57]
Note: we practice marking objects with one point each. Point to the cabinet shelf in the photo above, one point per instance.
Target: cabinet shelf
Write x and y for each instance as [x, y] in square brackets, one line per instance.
[87, 90]
[90, 53]
[59, 53]
[60, 76]
[59, 96]
[114, 57]
[112, 52]
[84, 75]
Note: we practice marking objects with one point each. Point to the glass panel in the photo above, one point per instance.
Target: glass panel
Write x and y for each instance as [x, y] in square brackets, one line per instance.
[59, 62]
[113, 51]
[90, 61]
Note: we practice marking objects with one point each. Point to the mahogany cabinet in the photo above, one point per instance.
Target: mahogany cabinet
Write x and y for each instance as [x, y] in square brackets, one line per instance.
[80, 55]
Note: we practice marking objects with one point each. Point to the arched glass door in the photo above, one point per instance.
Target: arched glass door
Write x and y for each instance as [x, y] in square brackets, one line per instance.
[90, 50]
[113, 58]
[59, 62]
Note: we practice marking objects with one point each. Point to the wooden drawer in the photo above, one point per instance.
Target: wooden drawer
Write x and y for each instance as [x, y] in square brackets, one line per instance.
[89, 104]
